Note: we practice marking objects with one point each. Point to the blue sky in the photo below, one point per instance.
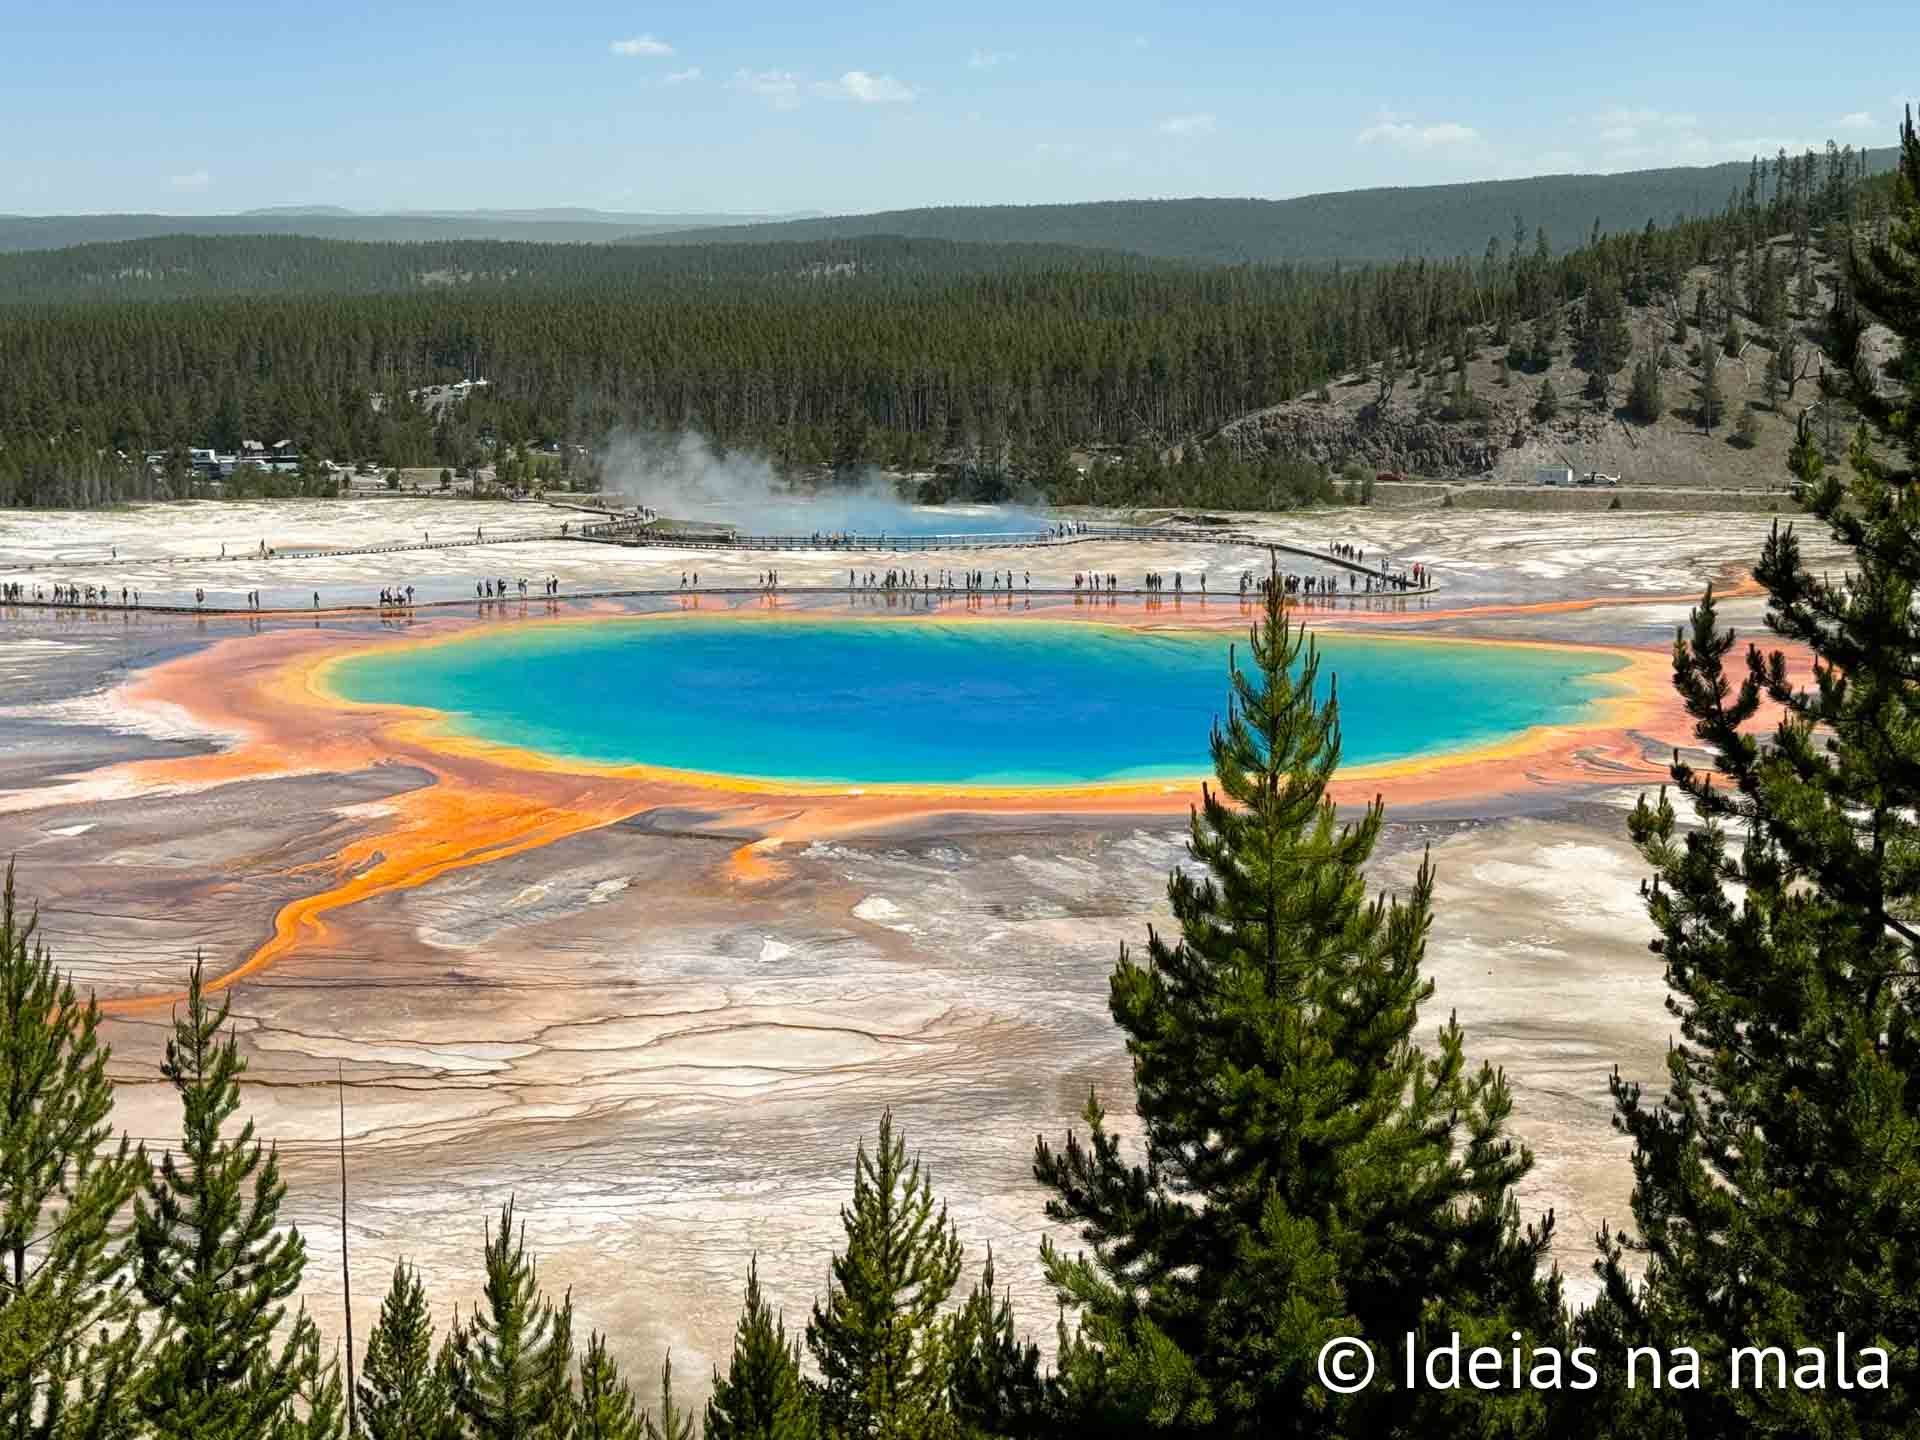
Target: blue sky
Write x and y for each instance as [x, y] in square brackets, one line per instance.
[198, 106]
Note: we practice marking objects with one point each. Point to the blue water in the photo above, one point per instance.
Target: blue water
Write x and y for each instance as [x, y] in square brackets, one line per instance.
[831, 514]
[930, 701]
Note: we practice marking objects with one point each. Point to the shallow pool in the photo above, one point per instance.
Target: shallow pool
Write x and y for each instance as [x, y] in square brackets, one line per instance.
[926, 701]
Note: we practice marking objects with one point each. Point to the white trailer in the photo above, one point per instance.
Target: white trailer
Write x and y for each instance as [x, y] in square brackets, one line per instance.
[1553, 475]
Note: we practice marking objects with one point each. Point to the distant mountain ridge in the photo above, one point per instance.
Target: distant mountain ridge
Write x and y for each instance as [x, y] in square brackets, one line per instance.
[1386, 224]
[1396, 223]
[328, 222]
[568, 213]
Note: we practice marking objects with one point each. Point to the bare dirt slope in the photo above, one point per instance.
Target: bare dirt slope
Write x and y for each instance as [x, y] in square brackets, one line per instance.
[1348, 424]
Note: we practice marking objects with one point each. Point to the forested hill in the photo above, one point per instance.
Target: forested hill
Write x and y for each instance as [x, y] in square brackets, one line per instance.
[179, 267]
[46, 232]
[1356, 225]
[896, 352]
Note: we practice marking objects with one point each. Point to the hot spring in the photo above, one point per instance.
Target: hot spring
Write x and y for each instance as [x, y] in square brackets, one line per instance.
[865, 516]
[932, 702]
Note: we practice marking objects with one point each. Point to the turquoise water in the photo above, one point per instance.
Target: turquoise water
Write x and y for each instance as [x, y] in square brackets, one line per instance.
[863, 515]
[927, 701]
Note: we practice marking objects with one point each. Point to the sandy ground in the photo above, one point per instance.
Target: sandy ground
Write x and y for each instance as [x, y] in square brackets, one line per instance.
[167, 553]
[668, 1056]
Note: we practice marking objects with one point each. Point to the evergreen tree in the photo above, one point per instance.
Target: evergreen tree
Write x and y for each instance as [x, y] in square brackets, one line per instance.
[319, 1411]
[212, 1264]
[995, 1389]
[1546, 332]
[1462, 404]
[1746, 430]
[1786, 362]
[1774, 1183]
[672, 1423]
[67, 1329]
[1885, 281]
[606, 1410]
[1647, 399]
[1310, 1171]
[1604, 341]
[1711, 400]
[879, 1341]
[403, 1392]
[1547, 404]
[762, 1396]
[511, 1357]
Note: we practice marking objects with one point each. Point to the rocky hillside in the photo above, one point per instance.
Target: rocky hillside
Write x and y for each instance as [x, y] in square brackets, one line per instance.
[1400, 423]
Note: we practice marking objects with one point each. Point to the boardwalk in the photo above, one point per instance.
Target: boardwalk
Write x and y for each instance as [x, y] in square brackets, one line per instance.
[629, 534]
[625, 532]
[1160, 599]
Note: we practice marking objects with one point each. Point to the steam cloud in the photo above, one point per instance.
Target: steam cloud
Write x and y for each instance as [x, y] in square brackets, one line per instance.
[683, 477]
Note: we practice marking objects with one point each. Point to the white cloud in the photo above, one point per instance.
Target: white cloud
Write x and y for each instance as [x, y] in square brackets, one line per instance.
[641, 45]
[681, 77]
[1652, 152]
[987, 59]
[192, 180]
[1629, 123]
[1646, 139]
[1858, 120]
[1201, 124]
[865, 89]
[779, 88]
[1406, 134]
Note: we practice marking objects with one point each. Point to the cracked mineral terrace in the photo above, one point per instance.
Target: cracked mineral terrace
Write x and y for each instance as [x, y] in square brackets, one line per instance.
[662, 1013]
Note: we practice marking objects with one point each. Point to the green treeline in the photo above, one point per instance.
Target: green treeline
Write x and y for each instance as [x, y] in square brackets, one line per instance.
[174, 267]
[999, 359]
